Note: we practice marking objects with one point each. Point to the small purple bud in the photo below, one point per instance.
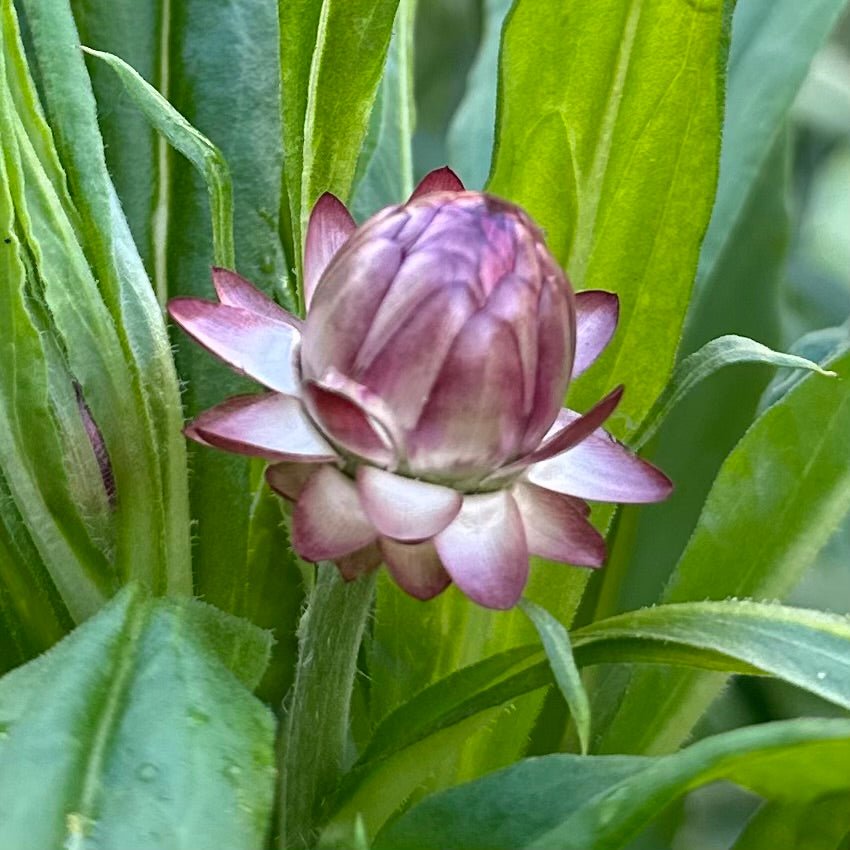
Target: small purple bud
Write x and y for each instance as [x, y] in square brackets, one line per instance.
[98, 446]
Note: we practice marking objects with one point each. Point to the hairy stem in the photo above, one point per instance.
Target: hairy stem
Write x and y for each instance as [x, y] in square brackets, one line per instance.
[316, 729]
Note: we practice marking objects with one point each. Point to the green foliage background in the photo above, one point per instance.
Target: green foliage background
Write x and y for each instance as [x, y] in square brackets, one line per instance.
[692, 157]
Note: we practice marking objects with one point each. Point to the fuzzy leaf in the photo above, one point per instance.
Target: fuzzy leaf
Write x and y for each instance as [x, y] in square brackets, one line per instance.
[106, 736]
[729, 350]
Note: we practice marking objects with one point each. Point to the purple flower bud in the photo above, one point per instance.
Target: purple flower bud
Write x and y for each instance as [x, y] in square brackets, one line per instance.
[415, 415]
[454, 314]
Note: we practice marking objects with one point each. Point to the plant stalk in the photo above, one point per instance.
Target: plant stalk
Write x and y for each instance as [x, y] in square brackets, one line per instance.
[316, 727]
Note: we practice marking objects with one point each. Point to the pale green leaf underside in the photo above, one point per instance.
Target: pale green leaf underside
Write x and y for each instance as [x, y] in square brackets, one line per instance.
[556, 644]
[132, 732]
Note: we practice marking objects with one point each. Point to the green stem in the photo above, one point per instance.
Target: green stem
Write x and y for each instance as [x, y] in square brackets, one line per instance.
[316, 731]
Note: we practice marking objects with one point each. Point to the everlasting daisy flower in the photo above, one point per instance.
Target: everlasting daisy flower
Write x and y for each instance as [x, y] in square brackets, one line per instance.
[414, 417]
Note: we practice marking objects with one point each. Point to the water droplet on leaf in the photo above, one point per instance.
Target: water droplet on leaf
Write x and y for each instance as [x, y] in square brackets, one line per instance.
[147, 772]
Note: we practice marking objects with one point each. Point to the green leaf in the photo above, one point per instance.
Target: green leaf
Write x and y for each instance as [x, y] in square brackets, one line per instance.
[608, 133]
[106, 736]
[196, 147]
[113, 330]
[134, 153]
[242, 560]
[803, 647]
[729, 350]
[803, 825]
[777, 500]
[567, 801]
[741, 267]
[471, 133]
[628, 97]
[556, 643]
[32, 614]
[480, 686]
[820, 346]
[385, 169]
[37, 468]
[806, 648]
[332, 54]
[241, 646]
[758, 104]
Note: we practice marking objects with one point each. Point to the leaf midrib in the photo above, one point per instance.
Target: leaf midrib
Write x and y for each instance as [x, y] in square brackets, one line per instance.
[589, 186]
[107, 719]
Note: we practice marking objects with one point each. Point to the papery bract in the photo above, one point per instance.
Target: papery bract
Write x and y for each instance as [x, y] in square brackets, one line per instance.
[415, 416]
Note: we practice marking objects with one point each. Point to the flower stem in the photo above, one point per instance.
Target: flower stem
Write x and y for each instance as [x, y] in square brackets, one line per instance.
[316, 730]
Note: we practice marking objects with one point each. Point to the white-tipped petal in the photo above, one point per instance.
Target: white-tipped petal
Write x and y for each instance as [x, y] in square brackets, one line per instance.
[352, 416]
[272, 426]
[576, 430]
[328, 521]
[404, 508]
[601, 469]
[556, 527]
[597, 313]
[484, 550]
[253, 344]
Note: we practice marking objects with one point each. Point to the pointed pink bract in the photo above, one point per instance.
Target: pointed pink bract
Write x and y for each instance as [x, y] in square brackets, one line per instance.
[484, 550]
[601, 469]
[328, 521]
[573, 432]
[404, 508]
[328, 229]
[439, 180]
[351, 416]
[232, 289]
[556, 527]
[252, 344]
[416, 567]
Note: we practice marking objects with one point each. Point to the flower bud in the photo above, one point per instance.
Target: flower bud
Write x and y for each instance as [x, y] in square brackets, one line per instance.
[415, 416]
[452, 311]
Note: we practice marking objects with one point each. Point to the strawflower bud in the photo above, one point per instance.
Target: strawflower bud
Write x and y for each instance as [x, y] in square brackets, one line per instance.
[414, 417]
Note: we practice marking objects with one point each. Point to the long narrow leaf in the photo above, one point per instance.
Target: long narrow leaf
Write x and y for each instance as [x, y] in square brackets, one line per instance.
[556, 643]
[564, 802]
[154, 542]
[196, 147]
[777, 500]
[729, 350]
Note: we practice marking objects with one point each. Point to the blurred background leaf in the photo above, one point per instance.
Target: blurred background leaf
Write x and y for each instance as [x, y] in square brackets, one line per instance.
[742, 265]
